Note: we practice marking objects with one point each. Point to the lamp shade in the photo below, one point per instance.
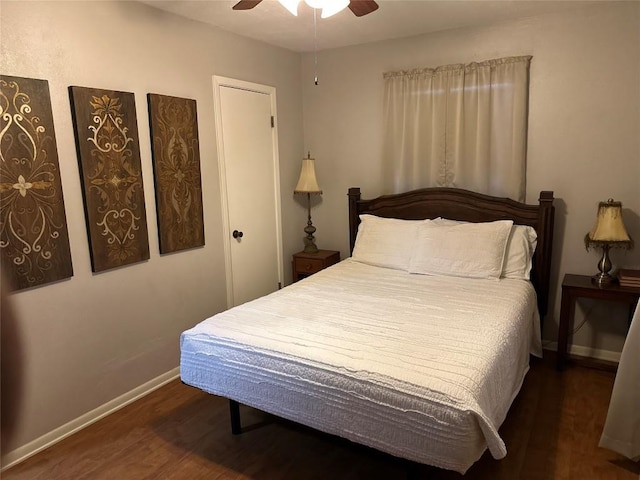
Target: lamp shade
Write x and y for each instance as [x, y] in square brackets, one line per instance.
[609, 227]
[307, 182]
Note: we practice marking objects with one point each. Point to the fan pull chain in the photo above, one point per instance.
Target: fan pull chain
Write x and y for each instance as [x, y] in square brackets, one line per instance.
[315, 49]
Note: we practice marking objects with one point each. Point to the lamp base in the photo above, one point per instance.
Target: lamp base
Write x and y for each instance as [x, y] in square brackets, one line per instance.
[309, 240]
[310, 248]
[604, 265]
[603, 278]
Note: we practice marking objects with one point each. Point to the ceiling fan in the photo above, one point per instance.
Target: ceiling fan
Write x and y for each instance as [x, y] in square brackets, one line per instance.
[329, 7]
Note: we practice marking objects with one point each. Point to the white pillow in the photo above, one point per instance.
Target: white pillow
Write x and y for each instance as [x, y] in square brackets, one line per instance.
[447, 222]
[520, 248]
[385, 242]
[475, 250]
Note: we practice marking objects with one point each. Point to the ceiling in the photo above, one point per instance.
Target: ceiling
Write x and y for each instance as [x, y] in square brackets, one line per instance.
[270, 22]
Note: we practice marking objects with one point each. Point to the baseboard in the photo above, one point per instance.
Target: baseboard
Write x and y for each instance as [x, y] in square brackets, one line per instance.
[587, 352]
[48, 439]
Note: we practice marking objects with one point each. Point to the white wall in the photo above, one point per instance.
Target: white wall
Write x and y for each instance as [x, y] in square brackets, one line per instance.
[79, 343]
[584, 130]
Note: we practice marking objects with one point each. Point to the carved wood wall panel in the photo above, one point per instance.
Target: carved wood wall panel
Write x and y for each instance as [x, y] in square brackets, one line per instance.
[109, 156]
[176, 167]
[34, 240]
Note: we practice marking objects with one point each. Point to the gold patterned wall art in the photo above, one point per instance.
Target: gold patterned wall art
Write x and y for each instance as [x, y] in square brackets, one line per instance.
[176, 166]
[34, 240]
[109, 156]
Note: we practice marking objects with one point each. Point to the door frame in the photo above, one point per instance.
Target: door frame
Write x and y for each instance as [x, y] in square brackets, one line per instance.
[218, 83]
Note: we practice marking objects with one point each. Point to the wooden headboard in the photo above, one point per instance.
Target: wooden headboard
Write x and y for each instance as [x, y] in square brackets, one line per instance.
[457, 204]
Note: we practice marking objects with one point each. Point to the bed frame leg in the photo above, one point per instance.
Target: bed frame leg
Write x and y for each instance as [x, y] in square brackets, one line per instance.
[234, 410]
[415, 471]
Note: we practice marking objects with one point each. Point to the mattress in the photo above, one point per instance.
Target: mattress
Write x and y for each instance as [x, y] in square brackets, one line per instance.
[421, 367]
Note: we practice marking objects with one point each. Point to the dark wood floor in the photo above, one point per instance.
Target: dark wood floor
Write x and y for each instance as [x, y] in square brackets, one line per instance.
[178, 432]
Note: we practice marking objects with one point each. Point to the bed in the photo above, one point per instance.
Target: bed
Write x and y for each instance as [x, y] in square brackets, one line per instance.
[416, 345]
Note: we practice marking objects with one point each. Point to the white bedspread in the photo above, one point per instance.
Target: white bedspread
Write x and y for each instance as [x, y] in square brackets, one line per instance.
[418, 366]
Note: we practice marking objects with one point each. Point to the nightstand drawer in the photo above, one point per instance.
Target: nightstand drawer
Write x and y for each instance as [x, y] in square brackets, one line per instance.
[308, 265]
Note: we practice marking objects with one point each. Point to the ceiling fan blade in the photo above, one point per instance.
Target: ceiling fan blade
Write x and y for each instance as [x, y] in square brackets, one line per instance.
[246, 4]
[362, 7]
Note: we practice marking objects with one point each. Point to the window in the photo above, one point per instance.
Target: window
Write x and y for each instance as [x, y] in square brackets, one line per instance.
[459, 126]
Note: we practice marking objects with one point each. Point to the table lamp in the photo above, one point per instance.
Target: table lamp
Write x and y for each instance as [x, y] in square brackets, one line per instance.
[308, 184]
[608, 231]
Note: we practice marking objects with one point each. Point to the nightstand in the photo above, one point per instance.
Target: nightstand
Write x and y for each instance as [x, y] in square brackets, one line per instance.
[305, 264]
[581, 286]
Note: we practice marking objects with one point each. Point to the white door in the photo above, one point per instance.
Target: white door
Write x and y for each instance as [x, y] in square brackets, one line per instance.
[250, 188]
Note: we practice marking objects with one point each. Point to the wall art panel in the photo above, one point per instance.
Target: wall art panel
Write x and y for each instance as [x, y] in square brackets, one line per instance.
[176, 167]
[109, 156]
[34, 240]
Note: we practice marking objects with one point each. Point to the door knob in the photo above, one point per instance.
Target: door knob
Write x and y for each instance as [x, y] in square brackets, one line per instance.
[237, 234]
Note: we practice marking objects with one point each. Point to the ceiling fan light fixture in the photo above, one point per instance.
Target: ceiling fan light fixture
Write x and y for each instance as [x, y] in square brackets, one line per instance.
[331, 7]
[328, 7]
[291, 5]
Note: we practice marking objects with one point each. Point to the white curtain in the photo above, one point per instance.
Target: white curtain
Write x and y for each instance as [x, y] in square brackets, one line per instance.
[621, 431]
[459, 126]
